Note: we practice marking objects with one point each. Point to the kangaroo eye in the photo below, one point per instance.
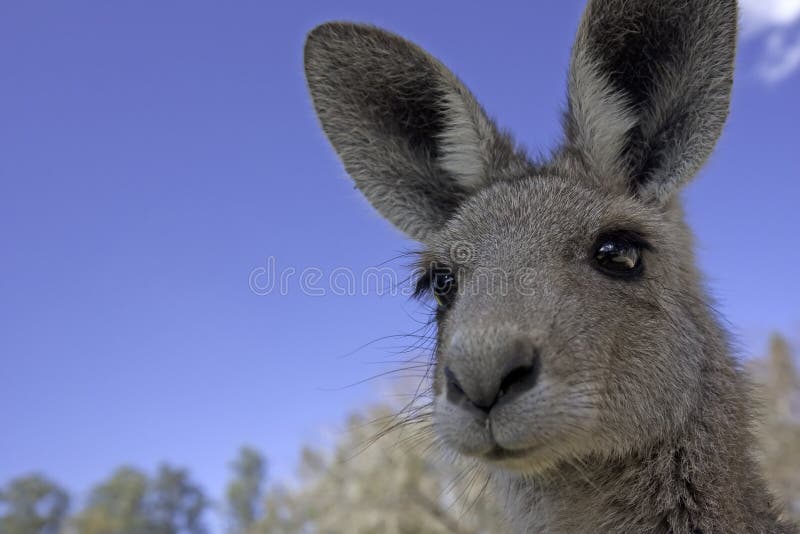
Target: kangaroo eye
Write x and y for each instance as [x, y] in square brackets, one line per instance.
[443, 286]
[619, 255]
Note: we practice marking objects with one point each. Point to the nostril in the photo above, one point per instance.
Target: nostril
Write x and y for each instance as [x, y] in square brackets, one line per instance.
[519, 378]
[454, 390]
[457, 395]
[485, 388]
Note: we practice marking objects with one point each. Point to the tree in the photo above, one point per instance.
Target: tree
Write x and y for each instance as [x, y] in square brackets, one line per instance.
[779, 431]
[244, 494]
[383, 482]
[32, 505]
[176, 504]
[130, 503]
[117, 505]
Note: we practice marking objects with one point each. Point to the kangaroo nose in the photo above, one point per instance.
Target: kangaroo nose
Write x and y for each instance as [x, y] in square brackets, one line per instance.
[516, 375]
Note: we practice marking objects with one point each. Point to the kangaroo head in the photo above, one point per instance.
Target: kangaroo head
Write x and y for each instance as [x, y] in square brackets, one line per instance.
[566, 290]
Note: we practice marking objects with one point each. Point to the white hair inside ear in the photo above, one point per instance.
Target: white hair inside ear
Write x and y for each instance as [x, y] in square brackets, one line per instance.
[462, 142]
[602, 117]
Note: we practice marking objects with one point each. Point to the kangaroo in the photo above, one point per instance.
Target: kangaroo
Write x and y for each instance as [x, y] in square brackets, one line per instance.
[599, 387]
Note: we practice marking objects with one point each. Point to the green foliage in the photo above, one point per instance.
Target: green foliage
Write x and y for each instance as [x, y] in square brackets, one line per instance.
[176, 504]
[131, 503]
[32, 505]
[117, 505]
[244, 493]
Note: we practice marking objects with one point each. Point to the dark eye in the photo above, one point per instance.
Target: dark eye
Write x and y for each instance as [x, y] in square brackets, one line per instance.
[443, 286]
[619, 255]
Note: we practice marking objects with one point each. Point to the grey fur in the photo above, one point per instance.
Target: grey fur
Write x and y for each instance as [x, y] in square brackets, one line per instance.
[409, 133]
[670, 63]
[640, 419]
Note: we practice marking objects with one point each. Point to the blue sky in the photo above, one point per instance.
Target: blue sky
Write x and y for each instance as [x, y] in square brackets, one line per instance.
[155, 154]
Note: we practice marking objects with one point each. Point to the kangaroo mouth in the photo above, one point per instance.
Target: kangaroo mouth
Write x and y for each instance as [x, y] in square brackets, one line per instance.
[499, 454]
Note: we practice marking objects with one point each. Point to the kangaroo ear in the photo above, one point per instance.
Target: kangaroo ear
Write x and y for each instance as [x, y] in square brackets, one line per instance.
[649, 91]
[409, 133]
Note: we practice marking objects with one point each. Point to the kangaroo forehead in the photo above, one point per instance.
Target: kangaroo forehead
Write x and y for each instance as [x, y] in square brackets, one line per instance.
[541, 210]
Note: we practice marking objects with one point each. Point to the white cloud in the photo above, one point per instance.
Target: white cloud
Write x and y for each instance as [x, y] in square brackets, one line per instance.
[781, 59]
[758, 15]
[776, 26]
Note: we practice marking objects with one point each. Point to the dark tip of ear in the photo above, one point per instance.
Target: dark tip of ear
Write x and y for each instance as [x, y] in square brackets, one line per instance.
[318, 37]
[329, 33]
[324, 31]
